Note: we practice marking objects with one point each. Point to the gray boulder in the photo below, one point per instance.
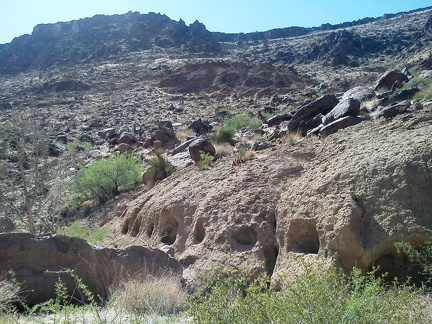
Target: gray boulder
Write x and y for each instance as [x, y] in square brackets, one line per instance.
[393, 110]
[389, 79]
[338, 124]
[359, 93]
[347, 107]
[301, 119]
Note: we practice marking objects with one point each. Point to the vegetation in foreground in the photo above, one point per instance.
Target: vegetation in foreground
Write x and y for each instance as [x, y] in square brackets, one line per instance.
[318, 294]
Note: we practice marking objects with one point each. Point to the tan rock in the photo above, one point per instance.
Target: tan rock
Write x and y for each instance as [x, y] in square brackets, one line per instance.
[39, 262]
[369, 187]
[224, 215]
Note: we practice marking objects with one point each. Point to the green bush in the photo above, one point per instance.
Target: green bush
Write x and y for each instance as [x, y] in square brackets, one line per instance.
[420, 259]
[93, 236]
[103, 179]
[425, 92]
[205, 161]
[224, 135]
[241, 121]
[316, 294]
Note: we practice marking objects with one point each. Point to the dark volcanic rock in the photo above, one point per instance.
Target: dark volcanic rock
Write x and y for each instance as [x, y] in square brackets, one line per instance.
[200, 126]
[359, 93]
[65, 85]
[277, 119]
[340, 48]
[340, 123]
[301, 119]
[390, 78]
[198, 146]
[348, 107]
[101, 37]
[393, 110]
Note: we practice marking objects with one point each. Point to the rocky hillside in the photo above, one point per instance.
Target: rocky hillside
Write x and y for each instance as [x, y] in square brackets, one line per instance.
[340, 163]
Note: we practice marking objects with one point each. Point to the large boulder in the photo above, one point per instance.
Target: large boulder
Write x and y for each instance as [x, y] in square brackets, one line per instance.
[127, 138]
[338, 124]
[201, 145]
[347, 107]
[38, 262]
[167, 127]
[301, 121]
[390, 79]
[392, 110]
[358, 93]
[200, 127]
[369, 187]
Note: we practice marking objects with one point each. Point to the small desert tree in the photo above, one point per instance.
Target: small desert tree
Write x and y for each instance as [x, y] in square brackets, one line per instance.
[32, 183]
[103, 179]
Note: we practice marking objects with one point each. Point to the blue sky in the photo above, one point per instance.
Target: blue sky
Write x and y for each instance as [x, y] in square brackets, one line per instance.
[18, 17]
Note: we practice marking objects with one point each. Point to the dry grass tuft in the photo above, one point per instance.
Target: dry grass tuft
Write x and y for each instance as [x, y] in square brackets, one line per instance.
[223, 149]
[249, 154]
[155, 296]
[9, 294]
[292, 138]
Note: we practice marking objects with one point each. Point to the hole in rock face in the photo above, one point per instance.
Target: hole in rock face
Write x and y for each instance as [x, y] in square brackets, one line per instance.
[135, 227]
[199, 231]
[190, 259]
[149, 230]
[169, 235]
[270, 255]
[169, 226]
[302, 236]
[394, 265]
[125, 227]
[245, 236]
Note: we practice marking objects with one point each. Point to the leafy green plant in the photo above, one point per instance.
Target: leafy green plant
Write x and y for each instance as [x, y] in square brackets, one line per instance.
[160, 167]
[93, 236]
[103, 179]
[205, 161]
[64, 308]
[317, 293]
[421, 259]
[74, 145]
[224, 135]
[425, 92]
[241, 121]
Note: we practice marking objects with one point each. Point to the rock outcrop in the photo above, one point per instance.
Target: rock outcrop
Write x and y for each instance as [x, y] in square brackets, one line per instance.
[38, 262]
[369, 187]
[208, 215]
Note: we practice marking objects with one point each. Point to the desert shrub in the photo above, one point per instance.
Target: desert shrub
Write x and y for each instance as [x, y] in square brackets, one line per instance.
[421, 259]
[205, 161]
[93, 236]
[241, 121]
[9, 294]
[223, 149]
[160, 167]
[103, 179]
[292, 138]
[224, 135]
[155, 296]
[317, 294]
[425, 92]
[74, 145]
